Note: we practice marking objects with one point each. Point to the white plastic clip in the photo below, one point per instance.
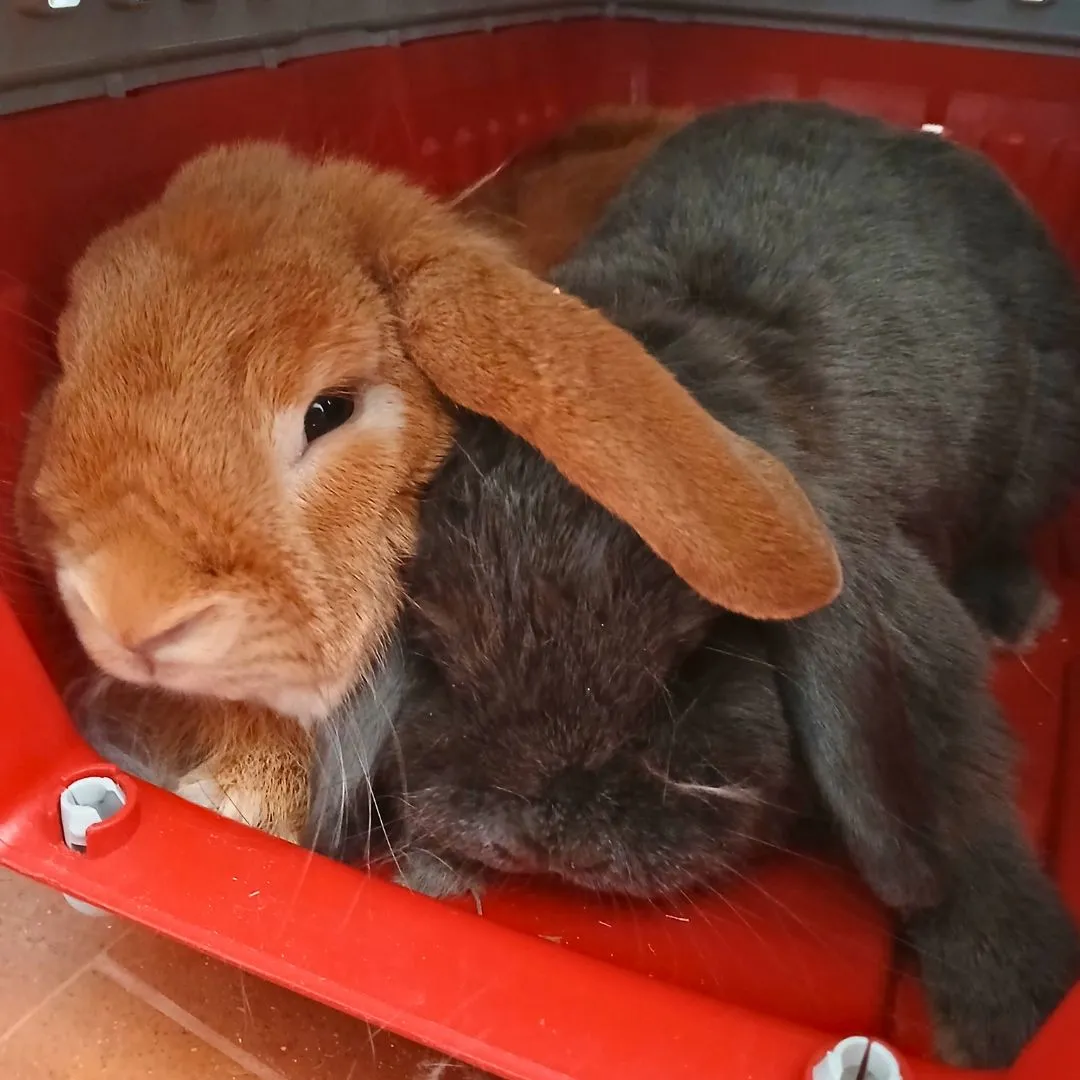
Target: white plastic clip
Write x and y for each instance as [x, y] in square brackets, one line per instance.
[85, 803]
[45, 7]
[845, 1060]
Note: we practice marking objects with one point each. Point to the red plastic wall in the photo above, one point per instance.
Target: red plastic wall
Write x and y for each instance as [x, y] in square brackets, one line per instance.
[547, 983]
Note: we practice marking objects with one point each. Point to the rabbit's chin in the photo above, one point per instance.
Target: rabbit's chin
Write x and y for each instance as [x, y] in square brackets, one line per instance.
[309, 704]
[290, 691]
[287, 681]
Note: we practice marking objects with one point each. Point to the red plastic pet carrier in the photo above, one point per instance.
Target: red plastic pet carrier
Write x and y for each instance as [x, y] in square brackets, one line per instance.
[546, 983]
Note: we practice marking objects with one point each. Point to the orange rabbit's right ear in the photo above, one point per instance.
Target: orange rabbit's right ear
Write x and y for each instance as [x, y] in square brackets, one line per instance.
[725, 515]
[546, 198]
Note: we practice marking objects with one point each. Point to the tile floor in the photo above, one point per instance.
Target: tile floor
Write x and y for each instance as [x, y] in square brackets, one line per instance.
[98, 999]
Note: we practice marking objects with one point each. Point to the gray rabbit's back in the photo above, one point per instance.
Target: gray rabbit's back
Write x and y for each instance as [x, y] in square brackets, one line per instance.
[887, 288]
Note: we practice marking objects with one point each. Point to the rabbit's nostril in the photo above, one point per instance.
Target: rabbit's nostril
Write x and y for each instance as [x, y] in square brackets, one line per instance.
[150, 645]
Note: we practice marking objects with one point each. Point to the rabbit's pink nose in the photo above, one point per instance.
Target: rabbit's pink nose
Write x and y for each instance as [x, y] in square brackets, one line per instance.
[133, 634]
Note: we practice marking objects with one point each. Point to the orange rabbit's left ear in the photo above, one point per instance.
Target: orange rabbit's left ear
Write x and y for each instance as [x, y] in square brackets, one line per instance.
[727, 516]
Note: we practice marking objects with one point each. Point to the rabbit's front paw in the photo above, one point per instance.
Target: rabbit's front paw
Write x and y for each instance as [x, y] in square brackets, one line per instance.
[997, 955]
[1043, 617]
[1008, 598]
[426, 873]
[235, 802]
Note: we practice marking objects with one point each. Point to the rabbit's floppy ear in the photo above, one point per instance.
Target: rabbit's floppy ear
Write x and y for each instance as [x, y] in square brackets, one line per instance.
[724, 514]
[728, 517]
[547, 197]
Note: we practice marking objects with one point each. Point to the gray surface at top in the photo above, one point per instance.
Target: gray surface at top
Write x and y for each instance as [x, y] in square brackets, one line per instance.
[112, 46]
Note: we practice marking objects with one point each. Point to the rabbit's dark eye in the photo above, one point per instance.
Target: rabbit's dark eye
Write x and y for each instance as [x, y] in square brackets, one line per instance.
[326, 412]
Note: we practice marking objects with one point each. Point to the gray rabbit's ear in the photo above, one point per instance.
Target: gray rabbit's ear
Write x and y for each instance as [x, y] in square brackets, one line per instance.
[725, 515]
[868, 707]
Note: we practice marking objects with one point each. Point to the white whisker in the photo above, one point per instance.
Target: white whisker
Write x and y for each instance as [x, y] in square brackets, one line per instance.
[730, 792]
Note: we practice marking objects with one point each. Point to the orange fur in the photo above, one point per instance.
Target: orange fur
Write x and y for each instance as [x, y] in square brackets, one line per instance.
[164, 472]
[191, 329]
[545, 199]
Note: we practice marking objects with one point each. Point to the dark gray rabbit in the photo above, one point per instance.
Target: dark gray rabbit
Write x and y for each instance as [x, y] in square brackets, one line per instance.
[878, 310]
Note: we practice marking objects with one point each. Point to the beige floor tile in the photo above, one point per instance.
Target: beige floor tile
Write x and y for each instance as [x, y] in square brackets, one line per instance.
[140, 1006]
[43, 942]
[95, 1029]
[297, 1038]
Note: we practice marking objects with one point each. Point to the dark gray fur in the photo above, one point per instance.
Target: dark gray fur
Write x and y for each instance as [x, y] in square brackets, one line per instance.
[877, 309]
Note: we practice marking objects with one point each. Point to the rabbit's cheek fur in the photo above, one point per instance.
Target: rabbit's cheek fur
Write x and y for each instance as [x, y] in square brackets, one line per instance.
[146, 614]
